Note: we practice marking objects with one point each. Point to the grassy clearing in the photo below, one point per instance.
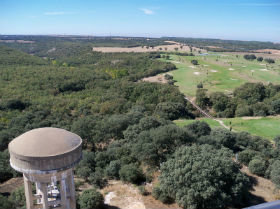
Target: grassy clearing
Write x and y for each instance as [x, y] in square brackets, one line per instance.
[220, 72]
[267, 127]
[212, 123]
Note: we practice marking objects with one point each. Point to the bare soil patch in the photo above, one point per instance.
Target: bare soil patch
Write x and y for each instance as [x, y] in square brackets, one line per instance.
[263, 188]
[11, 185]
[272, 51]
[123, 196]
[156, 79]
[172, 46]
[251, 118]
[171, 42]
[142, 49]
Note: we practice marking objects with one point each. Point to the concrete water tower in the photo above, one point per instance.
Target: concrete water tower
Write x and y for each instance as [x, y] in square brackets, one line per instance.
[46, 157]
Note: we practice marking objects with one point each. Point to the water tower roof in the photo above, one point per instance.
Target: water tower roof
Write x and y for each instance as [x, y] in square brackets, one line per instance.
[44, 142]
[45, 149]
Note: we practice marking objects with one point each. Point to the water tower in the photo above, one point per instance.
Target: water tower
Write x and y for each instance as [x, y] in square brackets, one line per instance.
[46, 157]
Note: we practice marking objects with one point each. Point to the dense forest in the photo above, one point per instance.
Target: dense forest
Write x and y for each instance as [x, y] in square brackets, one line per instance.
[225, 45]
[127, 127]
[250, 99]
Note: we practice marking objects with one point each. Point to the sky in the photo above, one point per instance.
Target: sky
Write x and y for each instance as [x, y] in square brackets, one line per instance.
[226, 19]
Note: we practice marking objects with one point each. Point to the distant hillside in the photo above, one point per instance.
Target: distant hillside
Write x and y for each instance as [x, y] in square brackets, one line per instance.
[225, 45]
[47, 46]
[10, 56]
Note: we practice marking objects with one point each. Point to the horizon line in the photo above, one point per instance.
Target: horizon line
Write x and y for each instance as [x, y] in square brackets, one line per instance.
[135, 36]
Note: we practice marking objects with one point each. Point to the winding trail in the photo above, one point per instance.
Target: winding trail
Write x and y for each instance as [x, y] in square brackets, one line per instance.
[205, 113]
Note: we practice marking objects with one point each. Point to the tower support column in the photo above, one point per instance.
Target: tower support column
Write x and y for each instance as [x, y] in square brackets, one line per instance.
[63, 193]
[28, 192]
[71, 184]
[43, 187]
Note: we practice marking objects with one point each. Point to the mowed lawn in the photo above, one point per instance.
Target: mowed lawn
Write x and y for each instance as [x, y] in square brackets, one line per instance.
[212, 123]
[267, 127]
[221, 72]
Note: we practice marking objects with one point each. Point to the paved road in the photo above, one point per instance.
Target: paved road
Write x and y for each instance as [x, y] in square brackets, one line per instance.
[206, 114]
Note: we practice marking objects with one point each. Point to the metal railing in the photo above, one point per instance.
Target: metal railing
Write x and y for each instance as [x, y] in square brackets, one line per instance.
[268, 205]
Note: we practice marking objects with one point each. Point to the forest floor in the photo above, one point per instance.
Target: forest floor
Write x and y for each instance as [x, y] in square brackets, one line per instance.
[119, 195]
[263, 190]
[127, 196]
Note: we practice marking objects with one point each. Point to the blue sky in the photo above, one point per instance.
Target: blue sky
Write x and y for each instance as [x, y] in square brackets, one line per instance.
[226, 19]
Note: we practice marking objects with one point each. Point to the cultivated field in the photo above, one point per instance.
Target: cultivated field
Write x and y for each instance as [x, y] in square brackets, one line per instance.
[221, 72]
[171, 46]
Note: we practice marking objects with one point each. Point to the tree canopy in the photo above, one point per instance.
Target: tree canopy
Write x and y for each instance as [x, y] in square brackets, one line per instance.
[203, 177]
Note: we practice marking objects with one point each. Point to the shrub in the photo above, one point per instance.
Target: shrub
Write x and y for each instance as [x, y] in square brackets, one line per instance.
[246, 156]
[161, 196]
[143, 190]
[171, 110]
[275, 173]
[97, 178]
[17, 197]
[277, 141]
[112, 170]
[249, 56]
[260, 59]
[199, 128]
[5, 203]
[194, 181]
[91, 199]
[270, 61]
[243, 110]
[257, 166]
[194, 62]
[131, 173]
[276, 106]
[16, 104]
[200, 85]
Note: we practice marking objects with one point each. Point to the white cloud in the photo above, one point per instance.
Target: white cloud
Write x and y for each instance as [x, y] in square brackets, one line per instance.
[147, 11]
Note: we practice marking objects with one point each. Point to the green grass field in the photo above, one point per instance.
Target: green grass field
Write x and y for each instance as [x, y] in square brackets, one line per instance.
[212, 123]
[221, 72]
[267, 127]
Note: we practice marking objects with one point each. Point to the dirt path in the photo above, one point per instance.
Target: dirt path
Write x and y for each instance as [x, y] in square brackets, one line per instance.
[263, 188]
[207, 115]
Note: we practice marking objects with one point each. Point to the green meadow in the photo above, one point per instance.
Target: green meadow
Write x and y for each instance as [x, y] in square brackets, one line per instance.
[221, 72]
[267, 127]
[212, 123]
